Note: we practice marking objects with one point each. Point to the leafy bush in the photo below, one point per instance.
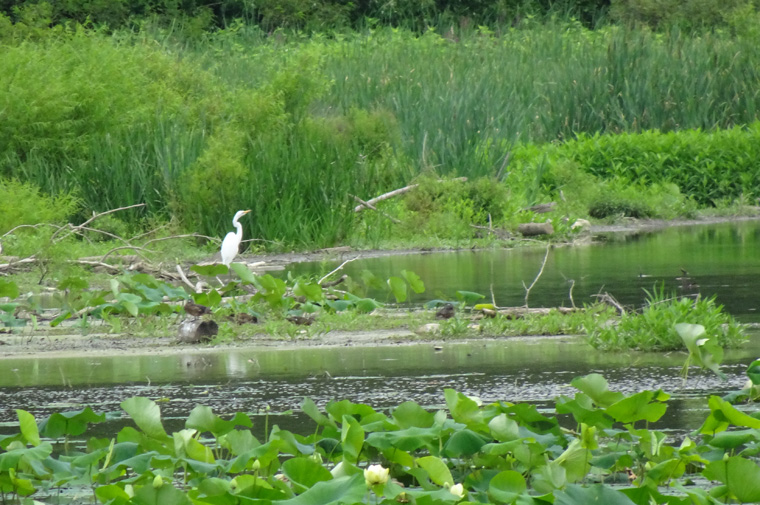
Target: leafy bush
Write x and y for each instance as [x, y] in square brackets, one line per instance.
[688, 14]
[23, 203]
[654, 328]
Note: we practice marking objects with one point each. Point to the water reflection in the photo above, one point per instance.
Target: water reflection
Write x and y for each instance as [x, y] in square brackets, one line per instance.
[723, 260]
[269, 382]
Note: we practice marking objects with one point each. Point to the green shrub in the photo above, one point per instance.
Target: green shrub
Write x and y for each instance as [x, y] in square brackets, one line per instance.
[23, 203]
[653, 329]
[688, 14]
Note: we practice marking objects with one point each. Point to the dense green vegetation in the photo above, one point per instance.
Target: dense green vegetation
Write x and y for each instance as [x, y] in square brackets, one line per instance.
[603, 452]
[610, 121]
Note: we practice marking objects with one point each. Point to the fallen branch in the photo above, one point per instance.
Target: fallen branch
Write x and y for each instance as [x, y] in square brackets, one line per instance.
[369, 205]
[538, 275]
[396, 192]
[610, 300]
[97, 264]
[323, 279]
[335, 282]
[76, 229]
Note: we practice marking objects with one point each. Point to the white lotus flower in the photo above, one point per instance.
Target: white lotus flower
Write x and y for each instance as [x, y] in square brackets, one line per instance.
[457, 490]
[376, 474]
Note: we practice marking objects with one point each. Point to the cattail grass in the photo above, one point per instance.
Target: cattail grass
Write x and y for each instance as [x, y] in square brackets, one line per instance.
[292, 126]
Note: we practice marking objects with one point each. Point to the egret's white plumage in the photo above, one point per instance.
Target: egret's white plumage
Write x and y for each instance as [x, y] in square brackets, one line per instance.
[231, 243]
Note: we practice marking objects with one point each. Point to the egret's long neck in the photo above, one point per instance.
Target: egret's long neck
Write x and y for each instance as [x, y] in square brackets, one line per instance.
[239, 228]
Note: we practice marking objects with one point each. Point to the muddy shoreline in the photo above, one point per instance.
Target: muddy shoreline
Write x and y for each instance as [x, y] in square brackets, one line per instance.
[30, 343]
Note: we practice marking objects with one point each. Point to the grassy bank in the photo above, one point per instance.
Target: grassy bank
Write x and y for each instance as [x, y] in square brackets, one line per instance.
[293, 126]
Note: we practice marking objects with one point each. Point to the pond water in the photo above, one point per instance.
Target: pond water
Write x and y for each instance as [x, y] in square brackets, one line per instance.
[721, 260]
[267, 382]
[272, 381]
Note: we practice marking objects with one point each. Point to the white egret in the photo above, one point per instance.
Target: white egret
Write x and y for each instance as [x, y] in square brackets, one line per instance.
[231, 243]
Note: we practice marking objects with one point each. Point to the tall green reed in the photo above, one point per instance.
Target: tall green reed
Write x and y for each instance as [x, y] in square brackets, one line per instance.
[291, 126]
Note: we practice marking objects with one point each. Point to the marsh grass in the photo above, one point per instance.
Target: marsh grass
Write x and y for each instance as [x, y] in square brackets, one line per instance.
[291, 126]
[654, 327]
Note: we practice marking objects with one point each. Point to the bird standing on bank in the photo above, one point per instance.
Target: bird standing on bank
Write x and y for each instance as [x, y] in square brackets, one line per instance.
[231, 243]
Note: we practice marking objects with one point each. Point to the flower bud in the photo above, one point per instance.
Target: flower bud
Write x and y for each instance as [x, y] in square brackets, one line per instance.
[376, 474]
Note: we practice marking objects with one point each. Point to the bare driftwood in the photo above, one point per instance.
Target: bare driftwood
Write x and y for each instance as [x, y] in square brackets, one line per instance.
[541, 208]
[369, 205]
[519, 312]
[534, 229]
[193, 331]
[393, 193]
[538, 276]
[610, 300]
[334, 283]
[323, 279]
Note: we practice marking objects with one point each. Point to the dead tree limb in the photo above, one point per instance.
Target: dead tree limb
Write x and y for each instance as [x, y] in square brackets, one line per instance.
[369, 205]
[396, 192]
[75, 229]
[323, 279]
[538, 275]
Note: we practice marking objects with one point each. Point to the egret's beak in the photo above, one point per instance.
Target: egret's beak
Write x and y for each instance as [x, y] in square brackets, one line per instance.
[246, 211]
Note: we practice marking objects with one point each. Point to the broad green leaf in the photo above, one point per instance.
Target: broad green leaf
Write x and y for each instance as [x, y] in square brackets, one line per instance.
[469, 297]
[596, 387]
[506, 486]
[112, 494]
[366, 305]
[741, 476]
[243, 273]
[463, 443]
[705, 352]
[584, 411]
[339, 305]
[72, 423]
[464, 410]
[371, 280]
[723, 414]
[202, 418]
[409, 439]
[351, 438]
[414, 281]
[163, 495]
[210, 270]
[309, 290]
[576, 460]
[185, 446]
[398, 288]
[146, 414]
[753, 371]
[503, 428]
[637, 407]
[348, 489]
[481, 306]
[575, 494]
[60, 318]
[436, 470]
[8, 289]
[305, 472]
[310, 409]
[410, 414]
[28, 426]
[734, 439]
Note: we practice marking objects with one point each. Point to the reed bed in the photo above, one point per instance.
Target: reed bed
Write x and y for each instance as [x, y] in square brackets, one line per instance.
[292, 126]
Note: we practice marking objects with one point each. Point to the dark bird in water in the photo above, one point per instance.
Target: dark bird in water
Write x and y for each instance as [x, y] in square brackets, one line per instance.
[687, 283]
[196, 309]
[445, 312]
[306, 321]
[245, 318]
